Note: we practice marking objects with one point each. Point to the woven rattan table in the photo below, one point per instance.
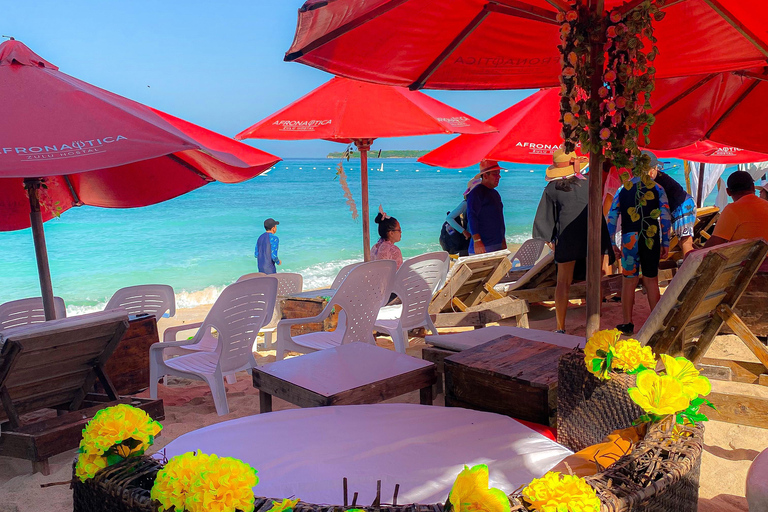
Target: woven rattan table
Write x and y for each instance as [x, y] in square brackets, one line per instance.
[355, 373]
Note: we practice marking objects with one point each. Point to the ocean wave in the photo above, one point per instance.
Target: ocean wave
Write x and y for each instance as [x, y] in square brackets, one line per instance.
[83, 310]
[321, 275]
[191, 299]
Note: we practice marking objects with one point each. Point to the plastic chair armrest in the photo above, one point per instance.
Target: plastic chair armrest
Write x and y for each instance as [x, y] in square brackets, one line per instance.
[169, 344]
[170, 333]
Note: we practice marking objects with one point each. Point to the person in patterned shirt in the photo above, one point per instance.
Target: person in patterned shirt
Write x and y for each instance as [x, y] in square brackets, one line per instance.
[643, 208]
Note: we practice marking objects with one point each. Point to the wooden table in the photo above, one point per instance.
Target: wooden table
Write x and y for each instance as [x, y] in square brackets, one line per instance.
[355, 373]
[509, 375]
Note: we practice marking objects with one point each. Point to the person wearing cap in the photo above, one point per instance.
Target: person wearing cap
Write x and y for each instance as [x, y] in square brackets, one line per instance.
[746, 217]
[266, 248]
[643, 208]
[485, 212]
[682, 208]
[562, 220]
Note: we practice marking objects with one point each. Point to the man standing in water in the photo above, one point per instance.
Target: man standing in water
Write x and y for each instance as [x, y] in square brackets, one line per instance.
[485, 212]
[266, 248]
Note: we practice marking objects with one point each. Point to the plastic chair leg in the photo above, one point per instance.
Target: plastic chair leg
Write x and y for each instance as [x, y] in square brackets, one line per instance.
[231, 378]
[268, 340]
[399, 337]
[219, 392]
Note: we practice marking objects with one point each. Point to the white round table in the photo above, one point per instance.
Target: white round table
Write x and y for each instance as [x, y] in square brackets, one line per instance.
[307, 452]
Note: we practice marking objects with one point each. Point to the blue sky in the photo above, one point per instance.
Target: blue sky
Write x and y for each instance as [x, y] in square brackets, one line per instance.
[216, 64]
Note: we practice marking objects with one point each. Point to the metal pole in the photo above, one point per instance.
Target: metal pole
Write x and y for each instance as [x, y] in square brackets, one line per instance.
[363, 145]
[699, 199]
[595, 210]
[41, 253]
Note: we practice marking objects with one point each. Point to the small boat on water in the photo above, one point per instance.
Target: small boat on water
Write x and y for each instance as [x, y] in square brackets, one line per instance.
[382, 168]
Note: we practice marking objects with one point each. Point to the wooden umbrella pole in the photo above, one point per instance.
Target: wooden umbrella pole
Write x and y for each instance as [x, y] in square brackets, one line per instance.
[41, 252]
[700, 191]
[363, 145]
[595, 210]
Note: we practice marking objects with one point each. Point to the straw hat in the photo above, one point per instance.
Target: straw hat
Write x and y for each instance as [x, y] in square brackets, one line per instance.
[562, 167]
[473, 183]
[489, 166]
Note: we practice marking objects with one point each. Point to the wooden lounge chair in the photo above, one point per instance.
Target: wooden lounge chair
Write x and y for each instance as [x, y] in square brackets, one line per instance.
[468, 297]
[54, 365]
[538, 283]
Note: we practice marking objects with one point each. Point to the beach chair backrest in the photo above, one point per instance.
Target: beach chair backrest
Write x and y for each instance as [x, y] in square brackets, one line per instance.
[416, 282]
[344, 272]
[152, 299]
[470, 280]
[56, 363]
[28, 311]
[360, 295]
[288, 283]
[700, 297]
[238, 314]
[528, 253]
[250, 276]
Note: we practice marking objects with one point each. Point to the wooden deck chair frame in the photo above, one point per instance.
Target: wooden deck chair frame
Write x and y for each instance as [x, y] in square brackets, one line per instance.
[468, 297]
[54, 365]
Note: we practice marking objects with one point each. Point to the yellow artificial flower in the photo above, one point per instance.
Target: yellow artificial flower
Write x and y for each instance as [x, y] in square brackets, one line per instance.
[286, 504]
[660, 395]
[470, 492]
[683, 370]
[551, 493]
[629, 355]
[205, 483]
[88, 464]
[600, 341]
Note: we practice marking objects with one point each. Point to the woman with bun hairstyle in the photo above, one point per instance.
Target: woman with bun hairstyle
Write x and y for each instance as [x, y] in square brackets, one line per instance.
[389, 234]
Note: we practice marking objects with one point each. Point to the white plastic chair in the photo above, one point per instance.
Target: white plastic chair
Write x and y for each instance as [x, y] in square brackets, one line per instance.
[237, 316]
[153, 299]
[28, 311]
[360, 296]
[287, 283]
[416, 282]
[250, 276]
[528, 253]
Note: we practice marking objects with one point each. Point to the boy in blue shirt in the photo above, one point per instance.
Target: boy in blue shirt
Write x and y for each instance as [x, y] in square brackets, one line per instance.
[266, 248]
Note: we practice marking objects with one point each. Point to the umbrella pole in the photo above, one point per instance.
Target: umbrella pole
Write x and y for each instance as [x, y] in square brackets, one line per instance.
[41, 252]
[700, 191]
[363, 145]
[595, 210]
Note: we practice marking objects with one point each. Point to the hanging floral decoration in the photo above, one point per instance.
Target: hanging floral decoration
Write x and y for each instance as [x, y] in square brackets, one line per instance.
[345, 187]
[629, 49]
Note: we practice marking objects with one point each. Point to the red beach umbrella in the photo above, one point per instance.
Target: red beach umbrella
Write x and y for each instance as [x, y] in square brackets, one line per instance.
[529, 131]
[507, 44]
[513, 44]
[347, 111]
[67, 143]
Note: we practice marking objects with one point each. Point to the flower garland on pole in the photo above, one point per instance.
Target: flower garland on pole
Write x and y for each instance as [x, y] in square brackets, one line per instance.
[628, 80]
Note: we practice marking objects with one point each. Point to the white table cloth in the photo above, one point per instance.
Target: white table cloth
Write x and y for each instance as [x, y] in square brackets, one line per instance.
[307, 452]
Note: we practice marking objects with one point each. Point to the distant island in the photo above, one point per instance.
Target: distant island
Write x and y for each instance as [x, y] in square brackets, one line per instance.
[386, 153]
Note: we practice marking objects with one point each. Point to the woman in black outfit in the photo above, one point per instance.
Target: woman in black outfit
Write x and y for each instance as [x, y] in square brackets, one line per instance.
[562, 219]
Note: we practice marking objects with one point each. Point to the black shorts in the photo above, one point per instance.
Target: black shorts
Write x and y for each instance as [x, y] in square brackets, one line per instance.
[636, 256]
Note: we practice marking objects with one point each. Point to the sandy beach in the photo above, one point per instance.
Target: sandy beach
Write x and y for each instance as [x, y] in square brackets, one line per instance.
[728, 449]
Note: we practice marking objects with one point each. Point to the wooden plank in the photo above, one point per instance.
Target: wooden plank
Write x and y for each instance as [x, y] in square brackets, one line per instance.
[742, 331]
[741, 371]
[385, 389]
[708, 304]
[502, 267]
[739, 409]
[459, 319]
[442, 299]
[128, 367]
[459, 305]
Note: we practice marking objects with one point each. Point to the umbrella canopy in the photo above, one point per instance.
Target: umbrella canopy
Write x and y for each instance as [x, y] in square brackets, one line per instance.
[67, 143]
[344, 110]
[529, 131]
[513, 44]
[506, 44]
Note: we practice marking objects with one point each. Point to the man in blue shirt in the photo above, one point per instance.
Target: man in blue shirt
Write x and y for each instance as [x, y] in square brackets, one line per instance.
[485, 212]
[266, 248]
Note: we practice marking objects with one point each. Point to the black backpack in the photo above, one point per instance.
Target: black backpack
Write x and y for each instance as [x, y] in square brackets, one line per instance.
[452, 241]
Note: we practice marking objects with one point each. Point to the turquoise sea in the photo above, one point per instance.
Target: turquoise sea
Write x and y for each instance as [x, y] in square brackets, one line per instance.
[202, 241]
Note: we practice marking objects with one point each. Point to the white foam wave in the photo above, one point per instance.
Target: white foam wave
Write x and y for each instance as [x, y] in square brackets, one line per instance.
[321, 275]
[191, 299]
[82, 310]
